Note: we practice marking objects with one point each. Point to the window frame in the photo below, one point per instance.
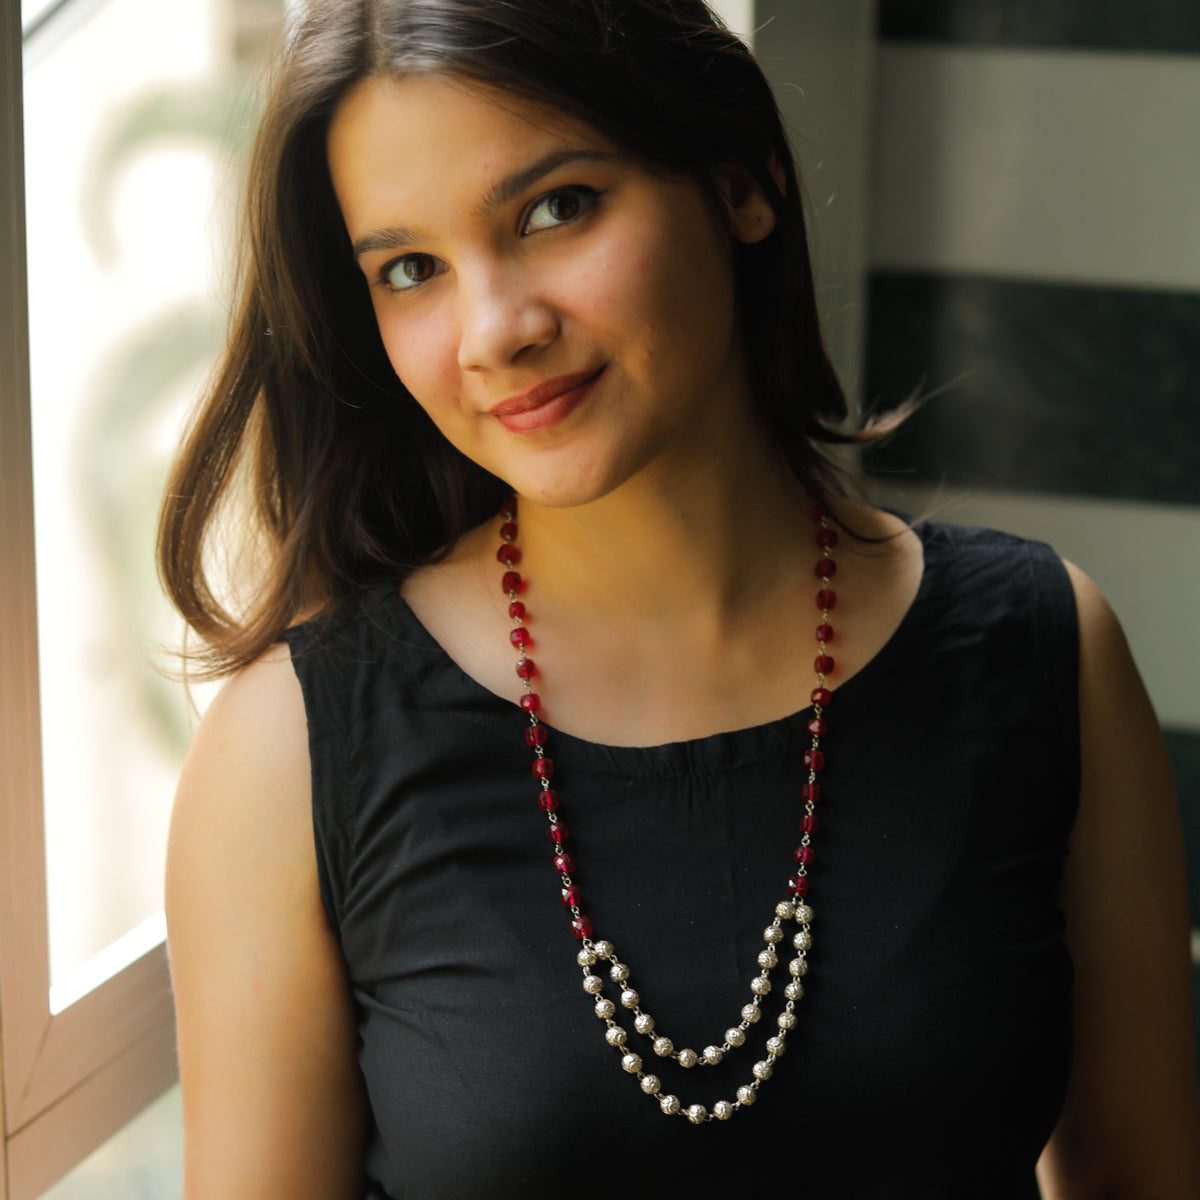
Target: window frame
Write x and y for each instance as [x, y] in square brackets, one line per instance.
[68, 1081]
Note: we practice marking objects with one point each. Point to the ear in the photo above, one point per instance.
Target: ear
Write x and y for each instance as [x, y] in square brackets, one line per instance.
[750, 215]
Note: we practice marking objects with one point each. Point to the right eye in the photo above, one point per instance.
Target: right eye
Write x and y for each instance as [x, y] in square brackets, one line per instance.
[410, 271]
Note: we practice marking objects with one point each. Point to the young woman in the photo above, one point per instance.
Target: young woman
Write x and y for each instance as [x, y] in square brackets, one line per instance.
[536, 824]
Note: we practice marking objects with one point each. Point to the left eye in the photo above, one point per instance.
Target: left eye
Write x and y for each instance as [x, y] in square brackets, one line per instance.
[558, 208]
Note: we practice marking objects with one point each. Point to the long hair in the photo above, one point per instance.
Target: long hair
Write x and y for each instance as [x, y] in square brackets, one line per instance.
[347, 483]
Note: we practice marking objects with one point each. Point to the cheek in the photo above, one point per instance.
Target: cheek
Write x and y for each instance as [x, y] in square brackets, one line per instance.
[423, 351]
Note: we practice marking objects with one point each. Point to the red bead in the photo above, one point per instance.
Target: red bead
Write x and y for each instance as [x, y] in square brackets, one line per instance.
[526, 668]
[803, 855]
[824, 632]
[535, 735]
[508, 555]
[821, 696]
[826, 568]
[819, 512]
[516, 610]
[581, 927]
[531, 702]
[543, 768]
[818, 727]
[826, 598]
[798, 885]
[508, 510]
[570, 896]
[548, 800]
[510, 583]
[826, 538]
[557, 832]
[508, 533]
[823, 664]
[564, 863]
[521, 638]
[810, 793]
[809, 823]
[814, 760]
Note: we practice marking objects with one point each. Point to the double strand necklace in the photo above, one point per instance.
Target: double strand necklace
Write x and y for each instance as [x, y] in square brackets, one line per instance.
[794, 909]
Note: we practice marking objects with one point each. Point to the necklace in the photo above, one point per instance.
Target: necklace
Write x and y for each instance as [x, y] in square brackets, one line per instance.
[795, 908]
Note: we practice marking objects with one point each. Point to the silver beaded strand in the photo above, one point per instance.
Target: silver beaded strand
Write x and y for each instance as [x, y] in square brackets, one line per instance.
[795, 909]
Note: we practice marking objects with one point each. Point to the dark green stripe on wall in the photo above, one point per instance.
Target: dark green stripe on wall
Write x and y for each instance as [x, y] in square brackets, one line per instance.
[1049, 388]
[1154, 26]
[1184, 749]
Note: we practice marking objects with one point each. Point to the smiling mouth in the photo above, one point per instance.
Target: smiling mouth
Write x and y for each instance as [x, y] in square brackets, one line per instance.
[546, 404]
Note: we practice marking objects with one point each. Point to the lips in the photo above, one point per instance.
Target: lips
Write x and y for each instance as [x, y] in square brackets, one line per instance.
[546, 404]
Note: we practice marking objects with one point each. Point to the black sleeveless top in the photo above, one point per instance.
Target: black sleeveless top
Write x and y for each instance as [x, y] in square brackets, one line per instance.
[932, 1048]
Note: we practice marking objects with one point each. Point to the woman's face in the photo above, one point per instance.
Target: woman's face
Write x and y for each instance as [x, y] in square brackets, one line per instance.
[565, 316]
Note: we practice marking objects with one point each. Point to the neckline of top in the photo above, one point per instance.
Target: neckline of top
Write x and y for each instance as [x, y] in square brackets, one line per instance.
[768, 737]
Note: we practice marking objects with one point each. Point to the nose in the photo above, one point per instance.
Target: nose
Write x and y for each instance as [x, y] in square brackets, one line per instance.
[502, 316]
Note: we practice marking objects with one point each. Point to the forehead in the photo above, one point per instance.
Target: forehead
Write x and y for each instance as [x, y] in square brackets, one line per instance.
[403, 140]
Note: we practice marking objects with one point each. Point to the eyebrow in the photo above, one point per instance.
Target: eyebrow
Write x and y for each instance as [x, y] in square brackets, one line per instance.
[396, 237]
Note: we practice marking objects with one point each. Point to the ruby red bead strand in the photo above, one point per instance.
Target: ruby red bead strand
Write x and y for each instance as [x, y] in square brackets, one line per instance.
[535, 733]
[814, 756]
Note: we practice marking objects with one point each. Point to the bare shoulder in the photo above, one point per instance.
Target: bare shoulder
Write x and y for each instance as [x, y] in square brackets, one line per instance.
[272, 1096]
[252, 740]
[242, 808]
[1130, 1124]
[1100, 631]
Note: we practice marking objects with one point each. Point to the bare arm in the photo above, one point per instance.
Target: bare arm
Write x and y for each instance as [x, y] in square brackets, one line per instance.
[273, 1102]
[1130, 1128]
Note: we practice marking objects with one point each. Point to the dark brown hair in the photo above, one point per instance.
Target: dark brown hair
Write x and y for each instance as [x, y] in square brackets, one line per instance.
[348, 484]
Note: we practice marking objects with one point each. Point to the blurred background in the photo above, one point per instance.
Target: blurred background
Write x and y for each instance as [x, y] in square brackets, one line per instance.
[1004, 197]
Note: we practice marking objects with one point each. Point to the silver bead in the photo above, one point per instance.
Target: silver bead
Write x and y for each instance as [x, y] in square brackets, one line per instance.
[603, 949]
[760, 985]
[802, 940]
[722, 1110]
[663, 1046]
[585, 958]
[798, 967]
[763, 1069]
[696, 1113]
[746, 1094]
[644, 1023]
[794, 990]
[773, 934]
[593, 985]
[785, 910]
[605, 1008]
[775, 1046]
[631, 1063]
[618, 972]
[750, 1013]
[687, 1058]
[713, 1055]
[767, 959]
[630, 998]
[786, 1020]
[804, 913]
[735, 1036]
[615, 1036]
[651, 1084]
[669, 1104]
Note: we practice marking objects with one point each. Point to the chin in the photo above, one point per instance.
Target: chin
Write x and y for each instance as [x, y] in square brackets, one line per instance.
[568, 489]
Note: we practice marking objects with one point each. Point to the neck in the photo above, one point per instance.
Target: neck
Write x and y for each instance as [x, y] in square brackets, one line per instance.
[707, 542]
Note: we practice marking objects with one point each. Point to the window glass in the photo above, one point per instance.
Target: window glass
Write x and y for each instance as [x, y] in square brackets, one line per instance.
[135, 114]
